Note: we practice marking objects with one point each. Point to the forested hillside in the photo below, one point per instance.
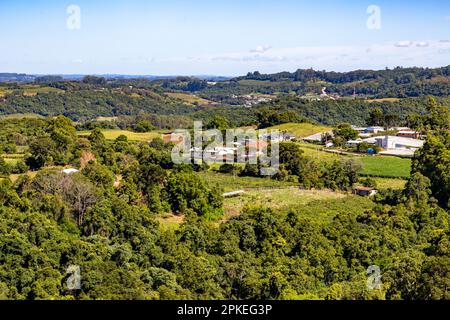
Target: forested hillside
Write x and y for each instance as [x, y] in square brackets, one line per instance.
[84, 102]
[108, 219]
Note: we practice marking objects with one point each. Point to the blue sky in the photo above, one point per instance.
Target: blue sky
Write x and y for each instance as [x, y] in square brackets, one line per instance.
[222, 37]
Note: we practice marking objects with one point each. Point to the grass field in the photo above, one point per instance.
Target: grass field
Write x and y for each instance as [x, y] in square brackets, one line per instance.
[386, 183]
[35, 89]
[189, 98]
[384, 100]
[315, 152]
[377, 166]
[106, 118]
[301, 130]
[228, 182]
[112, 134]
[279, 199]
[11, 160]
[21, 116]
[386, 166]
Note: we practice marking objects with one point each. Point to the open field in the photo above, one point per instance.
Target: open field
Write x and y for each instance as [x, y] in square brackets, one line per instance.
[12, 161]
[279, 199]
[189, 98]
[377, 166]
[386, 183]
[112, 134]
[301, 130]
[228, 182]
[384, 100]
[31, 174]
[21, 116]
[106, 118]
[12, 155]
[314, 151]
[386, 166]
[35, 89]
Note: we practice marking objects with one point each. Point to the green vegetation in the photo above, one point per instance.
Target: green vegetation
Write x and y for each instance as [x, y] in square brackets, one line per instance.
[230, 182]
[113, 134]
[141, 227]
[300, 130]
[380, 166]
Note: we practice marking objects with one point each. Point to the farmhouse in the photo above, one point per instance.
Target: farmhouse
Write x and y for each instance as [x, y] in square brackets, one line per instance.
[408, 134]
[368, 130]
[374, 129]
[364, 191]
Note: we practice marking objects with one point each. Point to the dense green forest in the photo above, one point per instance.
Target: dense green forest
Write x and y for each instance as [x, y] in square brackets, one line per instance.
[104, 219]
[85, 101]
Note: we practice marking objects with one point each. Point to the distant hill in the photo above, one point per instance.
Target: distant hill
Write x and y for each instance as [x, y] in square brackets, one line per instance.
[394, 83]
[16, 77]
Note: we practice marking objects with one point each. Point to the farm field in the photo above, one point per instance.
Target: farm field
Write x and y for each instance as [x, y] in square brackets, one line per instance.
[112, 134]
[35, 89]
[106, 118]
[315, 152]
[21, 116]
[377, 166]
[228, 182]
[320, 205]
[189, 98]
[386, 166]
[390, 183]
[301, 130]
[280, 199]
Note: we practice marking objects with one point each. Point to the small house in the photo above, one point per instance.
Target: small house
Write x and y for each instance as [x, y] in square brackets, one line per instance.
[408, 134]
[364, 191]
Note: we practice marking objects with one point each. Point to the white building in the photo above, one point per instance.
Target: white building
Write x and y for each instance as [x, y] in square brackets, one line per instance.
[393, 142]
[353, 142]
[70, 171]
[374, 130]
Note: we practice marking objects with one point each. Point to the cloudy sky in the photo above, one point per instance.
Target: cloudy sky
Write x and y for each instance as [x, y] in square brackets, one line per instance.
[221, 37]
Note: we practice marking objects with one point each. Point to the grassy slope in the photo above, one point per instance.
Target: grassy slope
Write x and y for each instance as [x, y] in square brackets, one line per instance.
[228, 182]
[112, 134]
[386, 166]
[301, 130]
[189, 98]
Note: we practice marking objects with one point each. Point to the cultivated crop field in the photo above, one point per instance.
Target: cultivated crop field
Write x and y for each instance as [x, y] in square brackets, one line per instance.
[386, 166]
[112, 134]
[229, 182]
[189, 98]
[301, 130]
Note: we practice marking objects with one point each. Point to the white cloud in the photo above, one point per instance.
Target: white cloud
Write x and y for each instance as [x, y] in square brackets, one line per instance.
[339, 58]
[261, 49]
[404, 44]
[77, 61]
[422, 44]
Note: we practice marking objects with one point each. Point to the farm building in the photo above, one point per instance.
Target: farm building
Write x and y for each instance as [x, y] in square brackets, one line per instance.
[393, 142]
[364, 191]
[70, 171]
[374, 129]
[278, 137]
[409, 134]
[353, 142]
